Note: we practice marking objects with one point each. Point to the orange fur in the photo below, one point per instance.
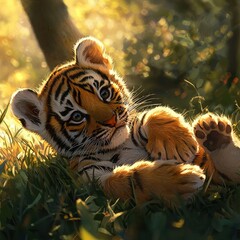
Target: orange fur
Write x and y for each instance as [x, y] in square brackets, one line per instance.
[147, 180]
[93, 54]
[98, 110]
[169, 136]
[203, 160]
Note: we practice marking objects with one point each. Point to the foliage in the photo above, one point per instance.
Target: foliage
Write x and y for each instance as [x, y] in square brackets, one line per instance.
[186, 40]
[41, 198]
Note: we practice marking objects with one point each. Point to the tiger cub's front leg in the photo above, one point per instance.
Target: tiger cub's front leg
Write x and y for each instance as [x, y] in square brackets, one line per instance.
[167, 135]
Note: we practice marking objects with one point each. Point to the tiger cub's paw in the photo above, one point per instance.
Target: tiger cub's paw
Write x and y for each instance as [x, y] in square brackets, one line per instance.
[188, 180]
[144, 181]
[169, 136]
[213, 132]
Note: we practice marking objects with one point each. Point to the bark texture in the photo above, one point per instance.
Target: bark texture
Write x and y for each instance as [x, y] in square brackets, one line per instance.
[234, 41]
[53, 28]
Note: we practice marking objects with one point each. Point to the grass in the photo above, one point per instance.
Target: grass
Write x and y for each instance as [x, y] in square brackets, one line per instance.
[40, 198]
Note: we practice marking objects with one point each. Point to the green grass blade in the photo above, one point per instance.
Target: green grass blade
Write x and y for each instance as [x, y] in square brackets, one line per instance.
[2, 165]
[4, 113]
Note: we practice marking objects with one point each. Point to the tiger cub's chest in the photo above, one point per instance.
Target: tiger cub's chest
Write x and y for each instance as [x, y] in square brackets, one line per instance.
[127, 153]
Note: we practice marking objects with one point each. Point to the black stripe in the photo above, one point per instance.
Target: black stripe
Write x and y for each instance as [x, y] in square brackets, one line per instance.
[102, 83]
[75, 147]
[124, 115]
[64, 70]
[204, 160]
[103, 151]
[77, 75]
[67, 136]
[63, 129]
[68, 69]
[85, 79]
[102, 75]
[131, 185]
[71, 124]
[96, 132]
[71, 68]
[171, 121]
[132, 133]
[66, 111]
[56, 139]
[59, 88]
[64, 95]
[119, 99]
[180, 154]
[137, 180]
[69, 103]
[143, 118]
[87, 87]
[76, 96]
[96, 84]
[95, 167]
[115, 158]
[56, 78]
[88, 155]
[90, 158]
[134, 140]
[100, 134]
[78, 134]
[113, 94]
[85, 139]
[141, 135]
[140, 129]
[164, 146]
[193, 151]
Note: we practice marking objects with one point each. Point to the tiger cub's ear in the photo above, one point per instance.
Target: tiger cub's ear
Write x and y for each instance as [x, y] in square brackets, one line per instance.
[90, 53]
[26, 107]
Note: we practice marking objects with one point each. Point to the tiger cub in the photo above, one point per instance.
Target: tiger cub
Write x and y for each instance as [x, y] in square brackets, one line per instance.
[85, 111]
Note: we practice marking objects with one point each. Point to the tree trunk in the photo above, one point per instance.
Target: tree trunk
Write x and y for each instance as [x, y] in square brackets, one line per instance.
[234, 41]
[53, 28]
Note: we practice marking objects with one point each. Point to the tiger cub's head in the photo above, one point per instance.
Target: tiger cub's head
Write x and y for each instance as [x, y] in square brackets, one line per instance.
[83, 105]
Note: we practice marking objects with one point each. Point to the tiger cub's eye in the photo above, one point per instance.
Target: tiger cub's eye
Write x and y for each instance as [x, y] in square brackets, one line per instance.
[77, 116]
[105, 93]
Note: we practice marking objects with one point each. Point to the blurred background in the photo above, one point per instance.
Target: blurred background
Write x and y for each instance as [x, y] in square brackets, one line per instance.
[182, 53]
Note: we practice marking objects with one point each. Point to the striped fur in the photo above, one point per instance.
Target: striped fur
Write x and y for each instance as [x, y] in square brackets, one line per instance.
[85, 111]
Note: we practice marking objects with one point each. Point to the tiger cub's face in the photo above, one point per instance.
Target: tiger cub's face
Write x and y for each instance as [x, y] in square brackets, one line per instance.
[82, 107]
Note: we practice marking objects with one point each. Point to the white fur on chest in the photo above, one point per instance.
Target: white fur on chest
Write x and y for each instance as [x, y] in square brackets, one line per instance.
[131, 153]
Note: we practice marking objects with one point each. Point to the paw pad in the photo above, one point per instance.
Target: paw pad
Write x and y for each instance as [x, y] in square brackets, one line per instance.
[213, 132]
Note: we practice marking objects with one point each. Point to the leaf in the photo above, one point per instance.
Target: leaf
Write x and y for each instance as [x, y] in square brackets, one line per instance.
[158, 221]
[219, 224]
[6, 211]
[86, 235]
[23, 175]
[36, 200]
[90, 202]
[87, 217]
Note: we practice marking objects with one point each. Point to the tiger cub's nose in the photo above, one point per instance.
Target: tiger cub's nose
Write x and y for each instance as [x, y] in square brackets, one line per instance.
[110, 122]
